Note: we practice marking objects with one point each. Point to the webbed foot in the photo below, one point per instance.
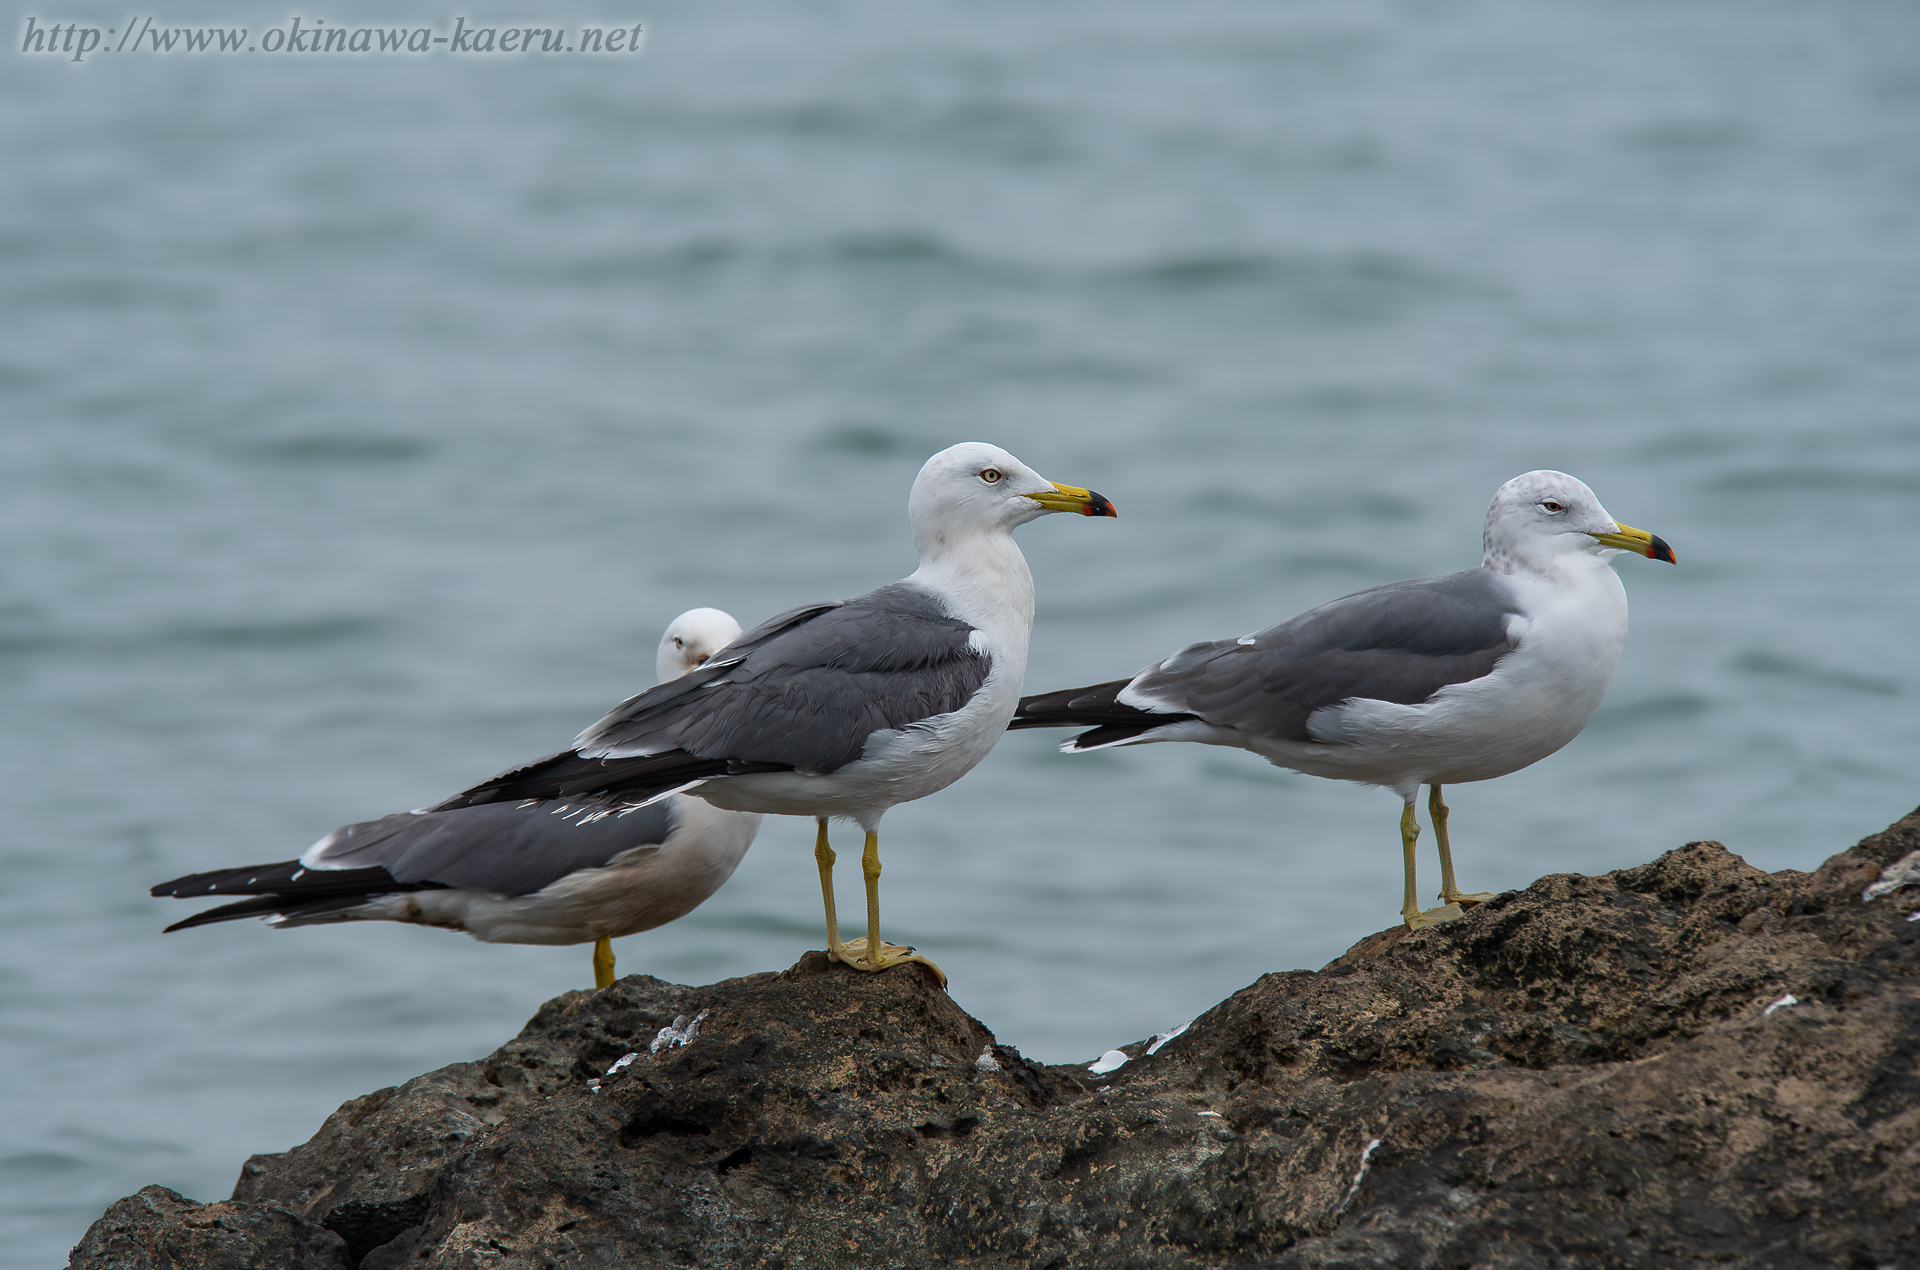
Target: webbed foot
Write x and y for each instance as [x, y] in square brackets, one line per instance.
[1434, 916]
[854, 953]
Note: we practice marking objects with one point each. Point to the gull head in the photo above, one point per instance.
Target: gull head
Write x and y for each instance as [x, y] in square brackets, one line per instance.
[974, 488]
[1539, 519]
[691, 638]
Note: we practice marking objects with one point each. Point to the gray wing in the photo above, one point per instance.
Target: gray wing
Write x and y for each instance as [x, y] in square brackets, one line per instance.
[801, 692]
[809, 695]
[502, 848]
[1401, 642]
[659, 698]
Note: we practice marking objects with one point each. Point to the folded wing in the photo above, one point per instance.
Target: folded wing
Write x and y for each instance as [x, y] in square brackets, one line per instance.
[504, 849]
[1402, 643]
[801, 692]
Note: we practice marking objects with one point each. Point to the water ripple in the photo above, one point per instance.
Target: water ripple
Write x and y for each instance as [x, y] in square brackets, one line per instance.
[1816, 479]
[1793, 669]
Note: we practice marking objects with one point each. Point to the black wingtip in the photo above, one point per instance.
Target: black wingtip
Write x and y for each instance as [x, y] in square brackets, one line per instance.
[516, 784]
[258, 906]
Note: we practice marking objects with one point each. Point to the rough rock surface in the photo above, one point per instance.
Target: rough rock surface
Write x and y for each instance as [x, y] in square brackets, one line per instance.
[1593, 1072]
[162, 1228]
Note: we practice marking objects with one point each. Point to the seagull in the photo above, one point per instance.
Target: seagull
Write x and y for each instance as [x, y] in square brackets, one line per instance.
[1432, 681]
[508, 874]
[844, 708]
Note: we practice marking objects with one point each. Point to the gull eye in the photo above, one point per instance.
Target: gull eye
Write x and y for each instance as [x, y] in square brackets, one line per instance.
[678, 642]
[990, 475]
[1553, 507]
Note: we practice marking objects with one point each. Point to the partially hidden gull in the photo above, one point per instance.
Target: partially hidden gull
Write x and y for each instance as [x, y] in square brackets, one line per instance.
[844, 708]
[1431, 681]
[506, 873]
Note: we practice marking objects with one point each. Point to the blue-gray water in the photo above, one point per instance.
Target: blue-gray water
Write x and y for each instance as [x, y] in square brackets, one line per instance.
[365, 419]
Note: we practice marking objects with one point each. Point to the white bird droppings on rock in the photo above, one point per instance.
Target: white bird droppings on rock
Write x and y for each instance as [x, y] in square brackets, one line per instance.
[1109, 1061]
[987, 1062]
[679, 1033]
[1902, 872]
[1161, 1038]
[1782, 1004]
[1359, 1176]
[620, 1062]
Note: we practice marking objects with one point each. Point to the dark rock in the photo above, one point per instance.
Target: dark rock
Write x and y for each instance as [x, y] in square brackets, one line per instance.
[1581, 1074]
[167, 1231]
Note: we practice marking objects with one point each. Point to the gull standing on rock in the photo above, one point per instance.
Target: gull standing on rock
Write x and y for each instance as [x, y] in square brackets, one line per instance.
[508, 874]
[1431, 681]
[845, 708]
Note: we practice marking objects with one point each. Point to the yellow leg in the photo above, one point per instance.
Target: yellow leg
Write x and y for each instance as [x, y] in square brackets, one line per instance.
[824, 857]
[602, 963]
[1410, 902]
[870, 953]
[1449, 892]
[870, 869]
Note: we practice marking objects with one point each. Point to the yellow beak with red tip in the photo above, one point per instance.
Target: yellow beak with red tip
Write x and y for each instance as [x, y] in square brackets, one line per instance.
[1071, 498]
[1639, 542]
